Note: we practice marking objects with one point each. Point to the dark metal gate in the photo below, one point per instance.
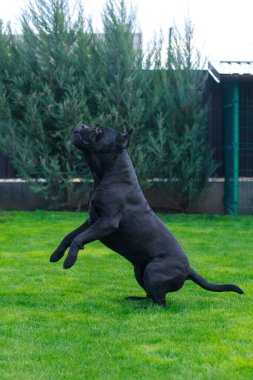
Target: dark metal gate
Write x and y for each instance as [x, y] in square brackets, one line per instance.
[238, 147]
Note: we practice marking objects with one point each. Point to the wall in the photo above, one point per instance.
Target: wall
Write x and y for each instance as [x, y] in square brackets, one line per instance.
[16, 195]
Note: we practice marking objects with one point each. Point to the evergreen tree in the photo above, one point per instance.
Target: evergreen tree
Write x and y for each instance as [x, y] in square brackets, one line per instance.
[191, 158]
[118, 87]
[158, 107]
[178, 146]
[3, 66]
[6, 66]
[49, 98]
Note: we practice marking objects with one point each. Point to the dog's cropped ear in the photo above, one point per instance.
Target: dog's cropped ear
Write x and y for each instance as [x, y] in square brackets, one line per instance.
[123, 139]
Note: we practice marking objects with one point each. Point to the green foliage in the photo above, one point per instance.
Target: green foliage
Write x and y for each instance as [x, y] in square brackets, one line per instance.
[61, 72]
[77, 324]
[178, 145]
[118, 89]
[118, 67]
[5, 68]
[47, 99]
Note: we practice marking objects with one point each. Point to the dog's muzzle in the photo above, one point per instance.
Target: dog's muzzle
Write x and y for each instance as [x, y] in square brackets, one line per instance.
[80, 134]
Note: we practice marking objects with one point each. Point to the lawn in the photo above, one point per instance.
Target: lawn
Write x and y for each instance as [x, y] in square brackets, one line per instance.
[76, 324]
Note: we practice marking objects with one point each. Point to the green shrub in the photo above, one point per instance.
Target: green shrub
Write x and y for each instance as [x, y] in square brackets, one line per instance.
[60, 72]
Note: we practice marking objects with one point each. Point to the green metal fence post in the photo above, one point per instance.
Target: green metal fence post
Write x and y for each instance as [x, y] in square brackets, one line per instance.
[231, 146]
[236, 147]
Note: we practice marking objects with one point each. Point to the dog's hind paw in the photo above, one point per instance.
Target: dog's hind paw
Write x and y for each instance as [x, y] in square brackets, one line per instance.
[136, 298]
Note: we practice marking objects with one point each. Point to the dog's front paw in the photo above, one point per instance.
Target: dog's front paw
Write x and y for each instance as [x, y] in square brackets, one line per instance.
[56, 255]
[72, 254]
[69, 262]
[70, 259]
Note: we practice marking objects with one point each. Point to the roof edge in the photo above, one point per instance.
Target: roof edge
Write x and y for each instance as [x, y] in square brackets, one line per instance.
[213, 72]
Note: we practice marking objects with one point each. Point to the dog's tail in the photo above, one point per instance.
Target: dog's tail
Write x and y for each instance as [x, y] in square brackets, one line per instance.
[195, 277]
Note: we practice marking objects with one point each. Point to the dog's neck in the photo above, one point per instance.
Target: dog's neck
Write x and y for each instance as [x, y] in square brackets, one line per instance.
[107, 164]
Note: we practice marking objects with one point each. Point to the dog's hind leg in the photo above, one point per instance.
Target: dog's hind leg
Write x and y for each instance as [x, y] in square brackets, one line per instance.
[159, 279]
[155, 287]
[138, 272]
[66, 242]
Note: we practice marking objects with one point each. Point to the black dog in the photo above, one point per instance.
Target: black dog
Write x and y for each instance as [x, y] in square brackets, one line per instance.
[120, 218]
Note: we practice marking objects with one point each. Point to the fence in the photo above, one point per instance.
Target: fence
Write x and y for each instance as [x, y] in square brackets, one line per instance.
[245, 170]
[6, 169]
[231, 129]
[238, 147]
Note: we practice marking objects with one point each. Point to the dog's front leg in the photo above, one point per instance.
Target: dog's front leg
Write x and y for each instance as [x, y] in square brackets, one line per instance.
[101, 228]
[66, 242]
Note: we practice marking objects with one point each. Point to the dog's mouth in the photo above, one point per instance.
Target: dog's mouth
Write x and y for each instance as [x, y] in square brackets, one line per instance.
[79, 139]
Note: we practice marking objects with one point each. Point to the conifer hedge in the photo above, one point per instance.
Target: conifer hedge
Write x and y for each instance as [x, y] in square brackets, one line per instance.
[60, 72]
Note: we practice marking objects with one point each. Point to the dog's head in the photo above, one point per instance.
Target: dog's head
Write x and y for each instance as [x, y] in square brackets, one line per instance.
[100, 140]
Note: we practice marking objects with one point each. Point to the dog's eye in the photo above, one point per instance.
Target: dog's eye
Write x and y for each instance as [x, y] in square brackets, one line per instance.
[99, 131]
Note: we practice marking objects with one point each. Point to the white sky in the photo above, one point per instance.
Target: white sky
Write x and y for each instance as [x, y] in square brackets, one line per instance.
[223, 28]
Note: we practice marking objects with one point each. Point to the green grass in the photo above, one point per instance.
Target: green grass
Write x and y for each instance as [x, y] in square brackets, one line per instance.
[76, 324]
